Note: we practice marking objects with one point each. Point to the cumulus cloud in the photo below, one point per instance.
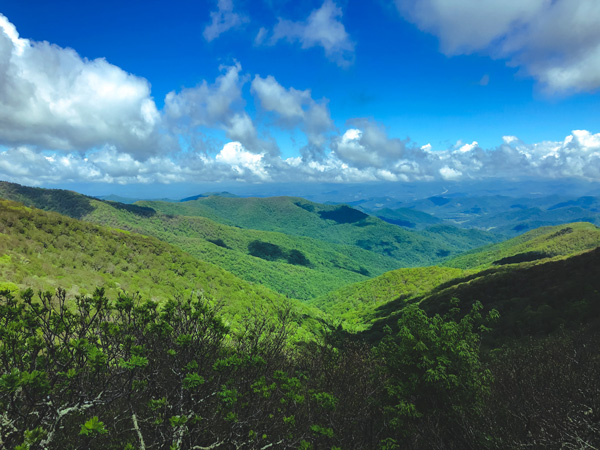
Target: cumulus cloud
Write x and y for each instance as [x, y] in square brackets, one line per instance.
[217, 105]
[243, 162]
[206, 105]
[222, 20]
[51, 97]
[555, 41]
[294, 107]
[368, 145]
[322, 28]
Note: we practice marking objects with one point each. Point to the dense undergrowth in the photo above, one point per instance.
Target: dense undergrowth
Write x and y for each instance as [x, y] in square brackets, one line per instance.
[124, 373]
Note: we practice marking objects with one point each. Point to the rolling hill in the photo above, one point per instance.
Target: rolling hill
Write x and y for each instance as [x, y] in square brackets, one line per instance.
[359, 304]
[298, 267]
[338, 224]
[298, 248]
[507, 216]
[544, 242]
[45, 250]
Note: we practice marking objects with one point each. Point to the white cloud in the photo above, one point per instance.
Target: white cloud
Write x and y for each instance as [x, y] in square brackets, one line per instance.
[448, 173]
[207, 105]
[555, 41]
[368, 145]
[322, 28]
[261, 36]
[51, 97]
[294, 107]
[243, 162]
[578, 155]
[467, 147]
[218, 105]
[222, 20]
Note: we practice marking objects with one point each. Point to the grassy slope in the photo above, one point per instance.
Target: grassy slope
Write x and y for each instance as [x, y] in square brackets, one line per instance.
[45, 250]
[330, 223]
[536, 244]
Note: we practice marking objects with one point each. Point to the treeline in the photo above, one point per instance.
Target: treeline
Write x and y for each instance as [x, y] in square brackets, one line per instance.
[91, 372]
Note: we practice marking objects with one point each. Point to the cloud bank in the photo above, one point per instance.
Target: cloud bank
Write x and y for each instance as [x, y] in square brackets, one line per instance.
[358, 155]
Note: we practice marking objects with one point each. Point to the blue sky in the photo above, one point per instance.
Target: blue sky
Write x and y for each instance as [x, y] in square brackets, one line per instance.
[158, 92]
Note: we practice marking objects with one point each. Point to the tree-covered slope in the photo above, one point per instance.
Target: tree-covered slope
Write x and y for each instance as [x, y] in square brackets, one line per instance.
[382, 297]
[296, 266]
[339, 224]
[533, 298]
[405, 217]
[44, 250]
[355, 304]
[545, 242]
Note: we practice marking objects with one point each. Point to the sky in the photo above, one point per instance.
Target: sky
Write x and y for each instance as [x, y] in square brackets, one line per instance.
[143, 95]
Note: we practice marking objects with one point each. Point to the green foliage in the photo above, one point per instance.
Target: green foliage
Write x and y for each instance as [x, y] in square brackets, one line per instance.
[356, 305]
[297, 267]
[534, 298]
[46, 250]
[546, 242]
[433, 369]
[218, 386]
[92, 427]
[408, 218]
[64, 202]
[332, 224]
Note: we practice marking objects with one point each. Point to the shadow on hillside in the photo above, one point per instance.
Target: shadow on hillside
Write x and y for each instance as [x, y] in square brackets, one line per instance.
[64, 202]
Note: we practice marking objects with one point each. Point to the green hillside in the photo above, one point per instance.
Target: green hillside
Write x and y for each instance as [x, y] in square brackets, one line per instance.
[295, 266]
[339, 224]
[45, 250]
[545, 242]
[160, 369]
[355, 304]
[359, 304]
[405, 217]
[533, 298]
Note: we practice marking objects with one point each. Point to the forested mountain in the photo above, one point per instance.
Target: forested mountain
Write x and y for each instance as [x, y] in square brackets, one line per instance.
[145, 341]
[45, 250]
[317, 248]
[405, 217]
[506, 216]
[533, 298]
[298, 267]
[339, 224]
[356, 304]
